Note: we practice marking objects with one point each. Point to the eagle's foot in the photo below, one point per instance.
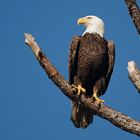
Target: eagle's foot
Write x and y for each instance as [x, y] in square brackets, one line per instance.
[79, 89]
[95, 98]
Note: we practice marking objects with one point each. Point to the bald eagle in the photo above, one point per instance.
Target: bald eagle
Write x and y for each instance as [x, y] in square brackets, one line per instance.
[91, 62]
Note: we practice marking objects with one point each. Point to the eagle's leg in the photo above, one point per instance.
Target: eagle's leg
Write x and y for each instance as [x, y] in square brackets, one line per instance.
[96, 98]
[79, 89]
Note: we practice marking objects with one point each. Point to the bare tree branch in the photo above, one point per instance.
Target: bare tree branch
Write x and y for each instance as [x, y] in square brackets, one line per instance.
[134, 74]
[134, 13]
[116, 118]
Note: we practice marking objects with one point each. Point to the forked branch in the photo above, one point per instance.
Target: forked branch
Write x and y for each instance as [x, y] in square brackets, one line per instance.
[118, 119]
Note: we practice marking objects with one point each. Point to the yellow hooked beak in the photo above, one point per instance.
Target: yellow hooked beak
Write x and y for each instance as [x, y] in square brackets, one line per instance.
[81, 21]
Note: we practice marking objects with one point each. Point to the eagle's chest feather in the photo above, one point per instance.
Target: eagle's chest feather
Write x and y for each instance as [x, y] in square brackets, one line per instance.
[92, 50]
[92, 57]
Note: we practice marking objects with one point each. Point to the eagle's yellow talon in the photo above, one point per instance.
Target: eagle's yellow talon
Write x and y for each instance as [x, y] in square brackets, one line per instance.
[97, 99]
[79, 89]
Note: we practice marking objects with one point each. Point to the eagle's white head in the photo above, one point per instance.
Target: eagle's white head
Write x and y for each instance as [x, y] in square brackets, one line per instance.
[93, 25]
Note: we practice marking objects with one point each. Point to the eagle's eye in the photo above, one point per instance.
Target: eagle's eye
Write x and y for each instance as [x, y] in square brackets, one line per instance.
[88, 17]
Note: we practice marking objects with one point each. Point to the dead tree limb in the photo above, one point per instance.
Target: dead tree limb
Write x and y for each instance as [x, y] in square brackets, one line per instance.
[134, 74]
[134, 13]
[118, 119]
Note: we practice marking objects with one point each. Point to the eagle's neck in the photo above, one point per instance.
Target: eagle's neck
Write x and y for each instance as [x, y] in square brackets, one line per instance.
[94, 29]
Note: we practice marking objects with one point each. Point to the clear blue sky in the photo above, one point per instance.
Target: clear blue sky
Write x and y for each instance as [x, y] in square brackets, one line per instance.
[31, 106]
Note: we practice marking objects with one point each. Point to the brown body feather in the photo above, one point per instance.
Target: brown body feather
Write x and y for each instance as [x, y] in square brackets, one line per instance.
[91, 62]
